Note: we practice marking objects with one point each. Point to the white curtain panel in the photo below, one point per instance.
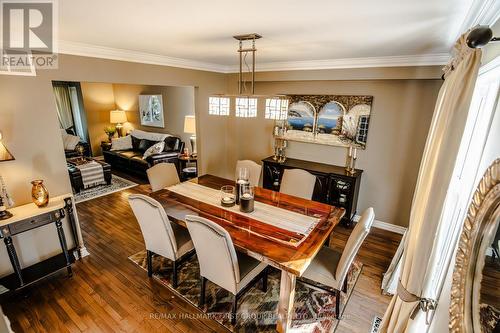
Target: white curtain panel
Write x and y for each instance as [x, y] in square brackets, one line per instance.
[63, 104]
[436, 169]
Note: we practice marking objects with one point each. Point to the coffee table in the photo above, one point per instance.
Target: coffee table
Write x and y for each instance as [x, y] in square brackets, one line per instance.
[76, 177]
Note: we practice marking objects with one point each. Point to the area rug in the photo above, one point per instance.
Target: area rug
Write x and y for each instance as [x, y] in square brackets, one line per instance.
[376, 324]
[314, 309]
[117, 184]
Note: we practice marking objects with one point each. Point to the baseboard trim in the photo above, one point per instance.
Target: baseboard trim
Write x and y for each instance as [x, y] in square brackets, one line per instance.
[385, 226]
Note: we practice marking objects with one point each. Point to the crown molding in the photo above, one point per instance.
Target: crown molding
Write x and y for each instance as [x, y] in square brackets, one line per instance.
[95, 51]
[88, 50]
[388, 61]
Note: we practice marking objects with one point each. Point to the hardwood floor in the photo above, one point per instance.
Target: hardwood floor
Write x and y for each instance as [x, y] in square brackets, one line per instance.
[109, 293]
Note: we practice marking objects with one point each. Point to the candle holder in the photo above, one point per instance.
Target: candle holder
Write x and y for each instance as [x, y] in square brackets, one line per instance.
[246, 198]
[227, 196]
[351, 161]
[239, 184]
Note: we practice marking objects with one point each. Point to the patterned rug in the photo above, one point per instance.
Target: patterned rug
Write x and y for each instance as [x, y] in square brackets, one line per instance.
[117, 184]
[314, 309]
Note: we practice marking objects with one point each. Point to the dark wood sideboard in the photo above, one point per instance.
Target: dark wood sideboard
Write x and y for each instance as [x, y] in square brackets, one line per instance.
[333, 185]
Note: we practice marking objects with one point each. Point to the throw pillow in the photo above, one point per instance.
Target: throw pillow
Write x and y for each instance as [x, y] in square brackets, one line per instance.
[145, 144]
[154, 149]
[123, 143]
[70, 141]
[135, 142]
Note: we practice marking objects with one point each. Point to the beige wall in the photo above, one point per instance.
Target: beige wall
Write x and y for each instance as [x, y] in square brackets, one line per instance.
[400, 118]
[100, 98]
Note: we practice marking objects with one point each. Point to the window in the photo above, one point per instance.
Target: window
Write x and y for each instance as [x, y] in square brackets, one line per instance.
[276, 108]
[362, 129]
[246, 107]
[219, 106]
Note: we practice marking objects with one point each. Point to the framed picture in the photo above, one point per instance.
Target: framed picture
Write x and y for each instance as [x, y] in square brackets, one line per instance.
[151, 110]
[336, 120]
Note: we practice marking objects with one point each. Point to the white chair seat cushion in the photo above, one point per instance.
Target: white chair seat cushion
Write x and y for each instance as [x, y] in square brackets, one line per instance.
[183, 240]
[249, 269]
[322, 268]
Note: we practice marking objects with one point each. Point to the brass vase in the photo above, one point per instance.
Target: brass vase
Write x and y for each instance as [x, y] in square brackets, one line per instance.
[39, 193]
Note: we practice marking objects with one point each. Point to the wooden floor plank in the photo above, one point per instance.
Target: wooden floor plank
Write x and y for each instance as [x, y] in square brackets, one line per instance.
[109, 293]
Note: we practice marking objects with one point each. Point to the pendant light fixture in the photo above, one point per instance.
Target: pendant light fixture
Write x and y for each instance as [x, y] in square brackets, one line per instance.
[246, 102]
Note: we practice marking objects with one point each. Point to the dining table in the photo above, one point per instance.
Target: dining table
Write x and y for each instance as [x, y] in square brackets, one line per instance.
[284, 231]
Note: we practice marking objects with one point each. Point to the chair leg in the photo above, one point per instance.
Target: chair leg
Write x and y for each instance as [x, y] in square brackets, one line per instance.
[149, 256]
[344, 285]
[202, 291]
[233, 310]
[337, 304]
[174, 274]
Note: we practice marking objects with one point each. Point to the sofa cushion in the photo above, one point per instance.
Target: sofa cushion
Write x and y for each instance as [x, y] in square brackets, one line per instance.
[137, 162]
[172, 143]
[121, 143]
[130, 153]
[145, 144]
[135, 142]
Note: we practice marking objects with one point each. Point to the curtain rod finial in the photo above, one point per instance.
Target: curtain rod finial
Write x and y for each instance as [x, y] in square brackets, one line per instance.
[479, 36]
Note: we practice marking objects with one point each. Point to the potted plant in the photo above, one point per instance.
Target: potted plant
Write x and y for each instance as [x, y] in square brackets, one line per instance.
[110, 132]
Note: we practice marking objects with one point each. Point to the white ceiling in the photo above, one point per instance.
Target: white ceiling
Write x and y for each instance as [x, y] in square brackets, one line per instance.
[199, 32]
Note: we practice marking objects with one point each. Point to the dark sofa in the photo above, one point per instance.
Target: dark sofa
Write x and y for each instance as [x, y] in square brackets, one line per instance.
[131, 161]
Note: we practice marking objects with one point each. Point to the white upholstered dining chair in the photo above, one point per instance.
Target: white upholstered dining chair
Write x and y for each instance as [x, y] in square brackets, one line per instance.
[221, 263]
[297, 182]
[330, 268]
[254, 170]
[162, 175]
[162, 237]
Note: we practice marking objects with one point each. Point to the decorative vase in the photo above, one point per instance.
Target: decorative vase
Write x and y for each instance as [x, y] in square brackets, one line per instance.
[39, 193]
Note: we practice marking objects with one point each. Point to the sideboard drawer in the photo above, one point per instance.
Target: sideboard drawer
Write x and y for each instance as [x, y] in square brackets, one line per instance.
[34, 222]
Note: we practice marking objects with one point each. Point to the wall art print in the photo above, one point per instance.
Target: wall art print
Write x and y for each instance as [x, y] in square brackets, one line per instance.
[151, 110]
[337, 120]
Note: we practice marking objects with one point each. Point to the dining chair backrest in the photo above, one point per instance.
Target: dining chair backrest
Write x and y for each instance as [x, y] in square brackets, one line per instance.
[162, 175]
[254, 170]
[298, 182]
[358, 235]
[155, 225]
[215, 252]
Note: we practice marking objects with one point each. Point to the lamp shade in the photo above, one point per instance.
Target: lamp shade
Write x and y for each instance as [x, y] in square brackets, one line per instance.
[117, 117]
[189, 124]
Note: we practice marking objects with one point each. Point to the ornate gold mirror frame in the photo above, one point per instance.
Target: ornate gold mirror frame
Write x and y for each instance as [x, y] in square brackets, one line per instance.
[477, 234]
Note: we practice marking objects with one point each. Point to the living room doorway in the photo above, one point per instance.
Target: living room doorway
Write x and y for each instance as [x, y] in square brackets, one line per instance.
[99, 116]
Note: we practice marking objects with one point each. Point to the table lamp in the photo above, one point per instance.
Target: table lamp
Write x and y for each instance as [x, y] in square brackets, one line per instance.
[118, 117]
[190, 127]
[5, 155]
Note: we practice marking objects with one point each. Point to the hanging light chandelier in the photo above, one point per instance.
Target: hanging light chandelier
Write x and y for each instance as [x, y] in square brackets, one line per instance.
[246, 102]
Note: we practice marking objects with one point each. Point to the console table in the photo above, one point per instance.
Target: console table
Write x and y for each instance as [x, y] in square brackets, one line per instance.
[29, 217]
[334, 186]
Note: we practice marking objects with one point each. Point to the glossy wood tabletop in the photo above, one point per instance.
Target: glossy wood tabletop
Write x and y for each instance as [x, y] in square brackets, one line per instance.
[259, 240]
